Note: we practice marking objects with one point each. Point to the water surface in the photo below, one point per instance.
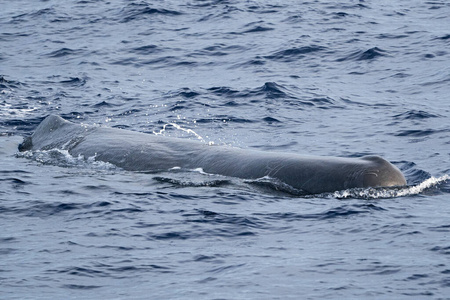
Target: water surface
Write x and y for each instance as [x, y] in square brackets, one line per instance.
[312, 77]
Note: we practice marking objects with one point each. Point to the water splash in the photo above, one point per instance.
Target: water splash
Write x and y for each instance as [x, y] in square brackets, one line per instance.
[380, 193]
[189, 131]
[273, 185]
[63, 158]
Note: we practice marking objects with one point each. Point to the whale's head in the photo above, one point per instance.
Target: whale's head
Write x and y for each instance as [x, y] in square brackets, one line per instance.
[382, 173]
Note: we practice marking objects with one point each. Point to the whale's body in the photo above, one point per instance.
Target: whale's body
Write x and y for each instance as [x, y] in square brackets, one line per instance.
[137, 151]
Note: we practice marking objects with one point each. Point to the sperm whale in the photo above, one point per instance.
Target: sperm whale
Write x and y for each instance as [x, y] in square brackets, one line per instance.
[136, 151]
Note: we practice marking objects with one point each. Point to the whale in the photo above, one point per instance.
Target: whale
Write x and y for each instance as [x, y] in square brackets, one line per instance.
[144, 152]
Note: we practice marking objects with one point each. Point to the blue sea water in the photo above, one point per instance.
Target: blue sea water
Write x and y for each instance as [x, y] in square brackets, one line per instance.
[340, 78]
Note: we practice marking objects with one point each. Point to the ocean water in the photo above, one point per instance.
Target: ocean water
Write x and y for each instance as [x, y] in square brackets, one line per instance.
[339, 78]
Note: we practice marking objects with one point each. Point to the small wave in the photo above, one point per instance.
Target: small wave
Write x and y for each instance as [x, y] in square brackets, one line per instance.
[136, 11]
[391, 36]
[80, 287]
[235, 220]
[74, 81]
[274, 91]
[223, 91]
[39, 14]
[159, 62]
[128, 112]
[419, 133]
[217, 50]
[444, 37]
[187, 93]
[64, 52]
[43, 209]
[145, 50]
[258, 29]
[342, 211]
[104, 104]
[271, 120]
[9, 84]
[271, 90]
[224, 119]
[415, 115]
[415, 175]
[380, 193]
[369, 54]
[293, 54]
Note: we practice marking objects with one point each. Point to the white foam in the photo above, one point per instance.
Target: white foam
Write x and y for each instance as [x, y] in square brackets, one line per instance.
[429, 183]
[379, 193]
[63, 158]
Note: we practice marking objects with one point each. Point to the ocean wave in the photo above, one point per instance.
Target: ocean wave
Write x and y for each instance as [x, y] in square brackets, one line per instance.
[337, 212]
[136, 11]
[145, 50]
[38, 14]
[157, 62]
[74, 81]
[420, 132]
[63, 52]
[10, 84]
[258, 28]
[292, 54]
[291, 96]
[415, 115]
[360, 55]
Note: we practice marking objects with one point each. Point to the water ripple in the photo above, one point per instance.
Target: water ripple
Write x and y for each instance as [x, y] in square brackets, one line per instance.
[137, 11]
[369, 55]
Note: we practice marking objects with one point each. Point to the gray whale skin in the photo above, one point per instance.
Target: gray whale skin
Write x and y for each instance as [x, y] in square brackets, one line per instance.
[135, 151]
